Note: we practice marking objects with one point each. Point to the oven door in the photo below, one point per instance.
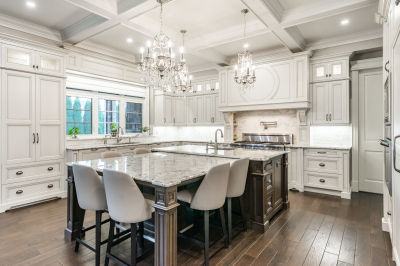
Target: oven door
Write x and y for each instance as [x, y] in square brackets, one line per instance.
[387, 160]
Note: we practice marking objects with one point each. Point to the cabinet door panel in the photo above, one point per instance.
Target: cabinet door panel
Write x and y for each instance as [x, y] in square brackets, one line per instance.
[191, 110]
[338, 102]
[168, 109]
[320, 103]
[50, 131]
[320, 72]
[208, 109]
[277, 176]
[199, 110]
[18, 58]
[18, 117]
[50, 64]
[217, 114]
[338, 69]
[179, 111]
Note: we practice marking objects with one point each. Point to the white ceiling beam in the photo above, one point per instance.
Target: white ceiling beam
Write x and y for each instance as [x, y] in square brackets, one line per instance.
[321, 9]
[212, 56]
[275, 8]
[81, 26]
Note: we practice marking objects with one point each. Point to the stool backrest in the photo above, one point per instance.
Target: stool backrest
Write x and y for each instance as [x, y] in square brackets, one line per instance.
[211, 193]
[237, 178]
[125, 201]
[89, 188]
[138, 151]
[111, 154]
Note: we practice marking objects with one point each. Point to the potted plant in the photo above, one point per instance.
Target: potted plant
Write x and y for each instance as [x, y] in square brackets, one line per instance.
[144, 130]
[73, 131]
[114, 130]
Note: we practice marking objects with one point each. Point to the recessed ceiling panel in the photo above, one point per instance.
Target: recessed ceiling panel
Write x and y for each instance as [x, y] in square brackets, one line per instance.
[53, 14]
[262, 42]
[288, 4]
[359, 20]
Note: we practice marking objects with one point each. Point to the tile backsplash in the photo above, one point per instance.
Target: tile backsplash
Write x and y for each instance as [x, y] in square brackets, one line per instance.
[331, 135]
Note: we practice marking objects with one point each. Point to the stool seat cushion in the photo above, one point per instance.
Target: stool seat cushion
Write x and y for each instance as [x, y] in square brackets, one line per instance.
[149, 200]
[187, 195]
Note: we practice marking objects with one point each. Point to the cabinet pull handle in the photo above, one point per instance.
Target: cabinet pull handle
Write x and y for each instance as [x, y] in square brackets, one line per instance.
[50, 169]
[133, 148]
[174, 120]
[322, 152]
[19, 191]
[193, 121]
[394, 153]
[330, 75]
[33, 66]
[397, 2]
[37, 67]
[322, 180]
[165, 120]
[326, 117]
[321, 164]
[50, 186]
[330, 117]
[37, 134]
[94, 149]
[34, 138]
[390, 213]
[388, 61]
[326, 75]
[19, 173]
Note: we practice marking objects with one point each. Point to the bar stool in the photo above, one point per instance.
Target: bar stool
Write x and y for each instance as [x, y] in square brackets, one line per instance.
[111, 154]
[210, 195]
[236, 186]
[91, 196]
[132, 208]
[138, 151]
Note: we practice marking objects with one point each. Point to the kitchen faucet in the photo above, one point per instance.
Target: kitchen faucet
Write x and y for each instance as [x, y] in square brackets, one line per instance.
[216, 135]
[119, 139]
[105, 138]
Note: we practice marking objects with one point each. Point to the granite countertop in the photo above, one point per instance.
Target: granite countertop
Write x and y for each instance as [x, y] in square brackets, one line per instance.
[330, 147]
[161, 169]
[255, 155]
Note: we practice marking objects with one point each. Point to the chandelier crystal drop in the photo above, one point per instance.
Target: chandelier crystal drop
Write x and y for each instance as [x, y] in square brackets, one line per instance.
[183, 80]
[157, 67]
[246, 78]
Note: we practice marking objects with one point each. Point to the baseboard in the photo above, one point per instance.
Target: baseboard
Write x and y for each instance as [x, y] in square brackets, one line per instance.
[5, 207]
[354, 186]
[345, 195]
[385, 225]
[323, 191]
[300, 188]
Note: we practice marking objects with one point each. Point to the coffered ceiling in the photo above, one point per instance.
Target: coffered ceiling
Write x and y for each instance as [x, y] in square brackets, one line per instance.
[215, 27]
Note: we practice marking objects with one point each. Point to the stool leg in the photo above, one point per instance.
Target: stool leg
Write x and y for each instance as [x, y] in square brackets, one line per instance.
[206, 237]
[230, 221]
[222, 214]
[81, 218]
[242, 210]
[133, 244]
[110, 241]
[117, 229]
[98, 236]
[141, 235]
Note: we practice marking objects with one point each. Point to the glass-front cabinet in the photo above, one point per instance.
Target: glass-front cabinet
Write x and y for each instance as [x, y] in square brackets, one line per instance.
[330, 70]
[49, 64]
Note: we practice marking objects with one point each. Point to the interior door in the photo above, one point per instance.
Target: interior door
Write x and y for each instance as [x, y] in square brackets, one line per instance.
[18, 117]
[370, 125]
[320, 103]
[338, 105]
[50, 133]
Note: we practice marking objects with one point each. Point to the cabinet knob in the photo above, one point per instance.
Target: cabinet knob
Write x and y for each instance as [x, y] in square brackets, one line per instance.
[33, 66]
[322, 180]
[94, 149]
[390, 213]
[326, 75]
[50, 169]
[269, 204]
[269, 181]
[50, 186]
[327, 117]
[19, 191]
[321, 164]
[19, 173]
[37, 67]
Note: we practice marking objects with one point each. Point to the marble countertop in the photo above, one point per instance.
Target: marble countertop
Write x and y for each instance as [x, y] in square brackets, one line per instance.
[255, 155]
[161, 169]
[330, 147]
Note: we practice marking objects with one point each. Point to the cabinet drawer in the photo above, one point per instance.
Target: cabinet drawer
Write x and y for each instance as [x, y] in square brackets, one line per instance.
[320, 180]
[324, 165]
[13, 174]
[323, 153]
[16, 192]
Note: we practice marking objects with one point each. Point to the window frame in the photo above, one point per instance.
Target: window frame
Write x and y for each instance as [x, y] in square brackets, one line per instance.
[66, 122]
[133, 113]
[95, 96]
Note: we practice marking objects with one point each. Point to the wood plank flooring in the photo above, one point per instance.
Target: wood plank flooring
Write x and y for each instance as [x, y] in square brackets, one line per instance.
[316, 230]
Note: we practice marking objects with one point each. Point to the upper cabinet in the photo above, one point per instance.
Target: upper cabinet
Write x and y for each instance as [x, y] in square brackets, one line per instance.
[328, 68]
[26, 59]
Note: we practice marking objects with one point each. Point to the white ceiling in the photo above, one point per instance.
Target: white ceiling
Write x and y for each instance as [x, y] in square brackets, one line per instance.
[288, 4]
[53, 14]
[359, 20]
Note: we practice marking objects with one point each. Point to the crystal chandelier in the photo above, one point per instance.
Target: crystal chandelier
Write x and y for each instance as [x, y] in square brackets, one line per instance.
[245, 80]
[183, 80]
[157, 68]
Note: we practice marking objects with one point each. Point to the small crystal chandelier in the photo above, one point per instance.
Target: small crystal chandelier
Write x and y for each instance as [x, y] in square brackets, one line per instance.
[157, 68]
[245, 81]
[183, 80]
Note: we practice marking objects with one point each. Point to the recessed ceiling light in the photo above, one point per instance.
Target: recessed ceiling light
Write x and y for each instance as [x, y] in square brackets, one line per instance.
[344, 22]
[30, 4]
[129, 40]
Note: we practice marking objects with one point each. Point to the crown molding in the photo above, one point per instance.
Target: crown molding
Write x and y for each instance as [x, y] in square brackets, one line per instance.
[27, 27]
[205, 78]
[82, 25]
[383, 10]
[346, 39]
[106, 50]
[366, 64]
[333, 56]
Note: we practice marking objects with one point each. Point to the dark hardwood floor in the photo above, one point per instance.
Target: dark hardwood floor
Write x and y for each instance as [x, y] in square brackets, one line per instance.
[316, 230]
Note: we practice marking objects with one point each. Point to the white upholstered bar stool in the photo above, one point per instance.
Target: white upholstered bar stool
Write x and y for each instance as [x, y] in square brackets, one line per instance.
[91, 196]
[236, 186]
[138, 151]
[126, 204]
[210, 195]
[111, 154]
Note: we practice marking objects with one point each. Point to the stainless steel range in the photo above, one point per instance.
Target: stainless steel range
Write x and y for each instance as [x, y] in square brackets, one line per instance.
[263, 141]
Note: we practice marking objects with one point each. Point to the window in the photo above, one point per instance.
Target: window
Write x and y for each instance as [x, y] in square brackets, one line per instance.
[133, 117]
[79, 114]
[108, 114]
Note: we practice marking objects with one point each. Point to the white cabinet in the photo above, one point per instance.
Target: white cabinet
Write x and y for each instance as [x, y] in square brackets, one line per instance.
[32, 115]
[26, 59]
[330, 70]
[179, 111]
[199, 87]
[211, 86]
[199, 111]
[211, 114]
[163, 107]
[331, 103]
[320, 71]
[195, 110]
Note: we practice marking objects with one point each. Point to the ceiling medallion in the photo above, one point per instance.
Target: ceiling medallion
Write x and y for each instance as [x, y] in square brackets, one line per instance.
[158, 66]
[183, 80]
[245, 80]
